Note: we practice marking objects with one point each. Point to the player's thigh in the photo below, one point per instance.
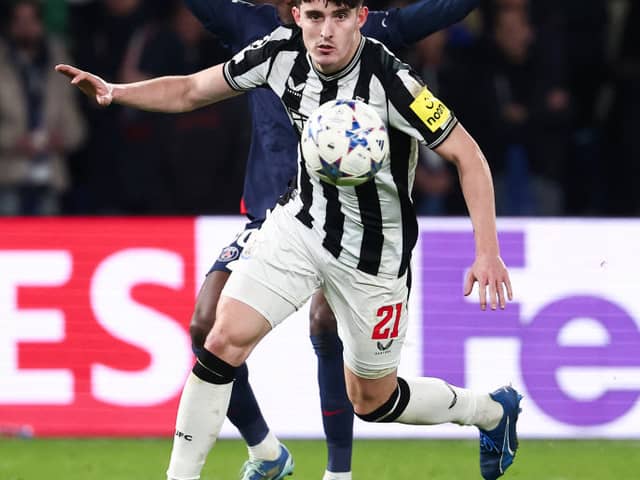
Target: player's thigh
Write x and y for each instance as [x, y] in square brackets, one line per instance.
[321, 317]
[237, 331]
[371, 317]
[276, 274]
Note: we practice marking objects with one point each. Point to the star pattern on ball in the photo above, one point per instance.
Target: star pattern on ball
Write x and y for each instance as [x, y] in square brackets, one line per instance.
[332, 169]
[357, 136]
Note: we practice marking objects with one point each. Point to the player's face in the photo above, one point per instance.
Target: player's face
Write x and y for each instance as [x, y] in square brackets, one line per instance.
[331, 33]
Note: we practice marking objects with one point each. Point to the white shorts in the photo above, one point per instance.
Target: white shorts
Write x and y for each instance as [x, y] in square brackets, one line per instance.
[284, 263]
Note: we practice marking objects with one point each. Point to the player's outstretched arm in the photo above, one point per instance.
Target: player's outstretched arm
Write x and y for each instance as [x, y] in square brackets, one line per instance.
[163, 94]
[425, 17]
[488, 269]
[91, 85]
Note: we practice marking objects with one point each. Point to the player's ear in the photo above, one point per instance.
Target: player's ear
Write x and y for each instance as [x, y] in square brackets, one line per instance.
[295, 11]
[363, 13]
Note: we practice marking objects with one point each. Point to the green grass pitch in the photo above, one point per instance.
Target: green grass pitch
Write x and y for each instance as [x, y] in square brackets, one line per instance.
[118, 459]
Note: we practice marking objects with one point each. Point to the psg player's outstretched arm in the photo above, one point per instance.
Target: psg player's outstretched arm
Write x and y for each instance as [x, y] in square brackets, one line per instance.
[400, 27]
[423, 18]
[235, 22]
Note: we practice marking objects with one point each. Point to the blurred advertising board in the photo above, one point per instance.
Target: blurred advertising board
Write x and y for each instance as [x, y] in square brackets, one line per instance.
[94, 315]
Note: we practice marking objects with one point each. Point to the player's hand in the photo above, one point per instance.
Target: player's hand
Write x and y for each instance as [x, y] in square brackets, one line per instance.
[91, 85]
[490, 272]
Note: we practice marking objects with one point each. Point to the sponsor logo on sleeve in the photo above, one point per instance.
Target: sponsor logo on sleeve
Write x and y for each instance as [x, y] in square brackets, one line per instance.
[433, 113]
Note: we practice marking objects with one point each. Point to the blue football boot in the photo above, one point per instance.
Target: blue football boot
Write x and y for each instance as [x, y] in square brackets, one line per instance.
[498, 446]
[268, 469]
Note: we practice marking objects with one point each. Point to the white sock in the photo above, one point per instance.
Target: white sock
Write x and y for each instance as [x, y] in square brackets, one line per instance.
[201, 413]
[267, 449]
[336, 475]
[433, 401]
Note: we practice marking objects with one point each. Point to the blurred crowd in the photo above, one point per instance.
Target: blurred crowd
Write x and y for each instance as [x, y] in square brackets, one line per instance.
[549, 88]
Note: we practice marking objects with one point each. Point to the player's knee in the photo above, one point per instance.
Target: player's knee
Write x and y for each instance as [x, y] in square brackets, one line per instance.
[376, 410]
[230, 343]
[381, 408]
[198, 334]
[204, 313]
[321, 319]
[361, 398]
[373, 398]
[225, 347]
[369, 416]
[201, 323]
[363, 406]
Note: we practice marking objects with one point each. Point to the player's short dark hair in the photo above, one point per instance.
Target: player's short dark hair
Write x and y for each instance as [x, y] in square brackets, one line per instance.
[337, 3]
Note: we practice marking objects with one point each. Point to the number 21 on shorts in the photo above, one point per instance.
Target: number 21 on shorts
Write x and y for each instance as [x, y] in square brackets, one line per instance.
[387, 327]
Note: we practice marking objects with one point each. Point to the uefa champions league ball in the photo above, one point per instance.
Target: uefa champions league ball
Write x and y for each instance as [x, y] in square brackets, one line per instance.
[344, 143]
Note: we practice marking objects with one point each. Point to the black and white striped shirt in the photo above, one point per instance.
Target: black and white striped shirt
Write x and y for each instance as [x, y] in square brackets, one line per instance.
[372, 226]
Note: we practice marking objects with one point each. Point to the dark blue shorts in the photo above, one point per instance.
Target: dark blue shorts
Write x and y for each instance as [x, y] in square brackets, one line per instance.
[232, 251]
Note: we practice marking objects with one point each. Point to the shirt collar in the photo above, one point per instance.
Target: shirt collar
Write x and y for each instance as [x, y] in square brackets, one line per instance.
[344, 70]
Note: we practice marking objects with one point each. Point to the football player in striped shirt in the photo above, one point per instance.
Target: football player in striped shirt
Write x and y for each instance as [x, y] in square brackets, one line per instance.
[353, 243]
[270, 166]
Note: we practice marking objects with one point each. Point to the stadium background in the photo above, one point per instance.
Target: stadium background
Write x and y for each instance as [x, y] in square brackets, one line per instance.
[80, 294]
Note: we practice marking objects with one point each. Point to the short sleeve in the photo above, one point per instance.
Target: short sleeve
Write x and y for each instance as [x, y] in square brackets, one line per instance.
[250, 67]
[415, 110]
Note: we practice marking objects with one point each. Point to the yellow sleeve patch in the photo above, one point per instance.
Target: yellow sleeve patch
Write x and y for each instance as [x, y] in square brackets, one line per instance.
[433, 113]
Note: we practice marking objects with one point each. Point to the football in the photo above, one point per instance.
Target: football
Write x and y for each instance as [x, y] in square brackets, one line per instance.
[344, 142]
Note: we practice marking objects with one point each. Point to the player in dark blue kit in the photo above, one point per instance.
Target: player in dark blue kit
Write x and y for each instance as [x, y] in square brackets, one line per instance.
[270, 166]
